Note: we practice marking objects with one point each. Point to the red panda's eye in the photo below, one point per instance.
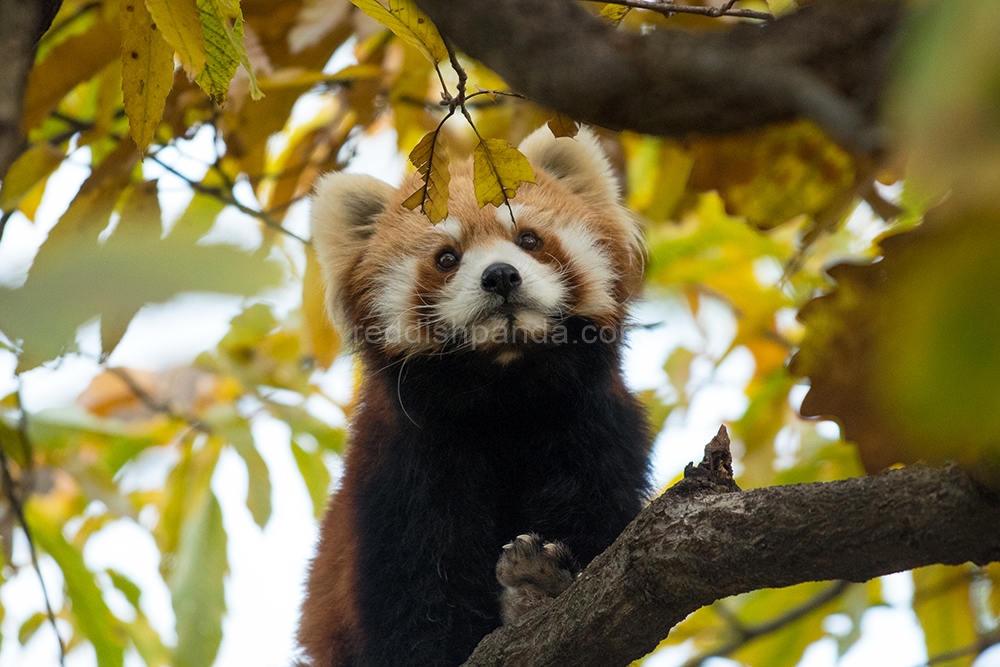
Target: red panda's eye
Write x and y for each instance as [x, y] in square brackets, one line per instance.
[447, 259]
[529, 241]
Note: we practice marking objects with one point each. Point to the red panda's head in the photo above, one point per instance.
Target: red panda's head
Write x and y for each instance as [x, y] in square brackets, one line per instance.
[479, 279]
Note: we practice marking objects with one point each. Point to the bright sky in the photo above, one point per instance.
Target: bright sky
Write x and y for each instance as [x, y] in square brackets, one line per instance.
[267, 567]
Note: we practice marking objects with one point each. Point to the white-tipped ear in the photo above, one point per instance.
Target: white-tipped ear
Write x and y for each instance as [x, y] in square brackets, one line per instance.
[344, 209]
[579, 163]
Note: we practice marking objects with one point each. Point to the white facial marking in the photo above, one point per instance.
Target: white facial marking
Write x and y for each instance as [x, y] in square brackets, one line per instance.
[593, 268]
[464, 301]
[452, 227]
[394, 307]
[520, 211]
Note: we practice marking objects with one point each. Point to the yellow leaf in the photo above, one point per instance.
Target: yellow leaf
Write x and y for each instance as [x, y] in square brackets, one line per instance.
[320, 338]
[90, 210]
[498, 169]
[430, 157]
[33, 167]
[562, 126]
[615, 13]
[222, 23]
[180, 24]
[941, 603]
[408, 23]
[147, 71]
[68, 64]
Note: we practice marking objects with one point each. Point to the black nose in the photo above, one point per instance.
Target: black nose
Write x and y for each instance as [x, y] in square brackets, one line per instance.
[501, 279]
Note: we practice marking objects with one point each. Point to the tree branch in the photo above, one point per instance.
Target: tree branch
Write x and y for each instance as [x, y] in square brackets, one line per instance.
[23, 23]
[825, 62]
[703, 540]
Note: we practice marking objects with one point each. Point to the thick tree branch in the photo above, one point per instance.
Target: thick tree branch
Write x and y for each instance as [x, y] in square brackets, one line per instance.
[702, 541]
[826, 63]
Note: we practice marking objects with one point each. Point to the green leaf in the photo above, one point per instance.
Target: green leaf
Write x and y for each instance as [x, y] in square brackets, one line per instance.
[129, 589]
[30, 627]
[89, 610]
[197, 585]
[408, 23]
[430, 157]
[235, 429]
[314, 474]
[785, 646]
[614, 13]
[498, 170]
[222, 22]
[81, 281]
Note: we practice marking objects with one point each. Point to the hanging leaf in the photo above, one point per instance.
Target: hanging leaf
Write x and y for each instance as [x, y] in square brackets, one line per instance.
[561, 126]
[430, 157]
[315, 475]
[180, 23]
[33, 167]
[89, 610]
[147, 71]
[322, 341]
[222, 22]
[498, 170]
[67, 65]
[408, 23]
[235, 429]
[941, 603]
[197, 585]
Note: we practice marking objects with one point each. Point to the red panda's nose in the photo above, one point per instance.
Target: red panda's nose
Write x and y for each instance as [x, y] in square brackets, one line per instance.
[501, 279]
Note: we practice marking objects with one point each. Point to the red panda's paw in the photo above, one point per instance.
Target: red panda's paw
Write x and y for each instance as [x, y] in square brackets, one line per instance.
[531, 572]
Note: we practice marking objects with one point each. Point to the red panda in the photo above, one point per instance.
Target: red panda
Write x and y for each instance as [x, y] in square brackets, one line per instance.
[491, 405]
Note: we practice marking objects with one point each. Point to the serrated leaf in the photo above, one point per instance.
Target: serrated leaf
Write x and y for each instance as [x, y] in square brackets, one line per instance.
[498, 169]
[197, 585]
[68, 64]
[180, 23]
[222, 23]
[315, 475]
[89, 610]
[407, 22]
[430, 157]
[941, 603]
[80, 281]
[561, 126]
[614, 13]
[147, 71]
[31, 168]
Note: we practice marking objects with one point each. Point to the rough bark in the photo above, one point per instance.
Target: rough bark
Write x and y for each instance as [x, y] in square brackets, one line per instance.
[825, 62]
[22, 23]
[703, 540]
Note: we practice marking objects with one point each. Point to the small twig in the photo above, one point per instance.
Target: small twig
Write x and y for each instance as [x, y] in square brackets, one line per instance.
[17, 505]
[231, 201]
[668, 9]
[157, 406]
[746, 634]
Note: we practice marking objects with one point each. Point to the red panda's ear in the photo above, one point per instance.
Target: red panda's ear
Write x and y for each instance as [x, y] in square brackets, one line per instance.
[579, 163]
[344, 210]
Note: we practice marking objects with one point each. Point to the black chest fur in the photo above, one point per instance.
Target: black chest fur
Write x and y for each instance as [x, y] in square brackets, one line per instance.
[461, 456]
